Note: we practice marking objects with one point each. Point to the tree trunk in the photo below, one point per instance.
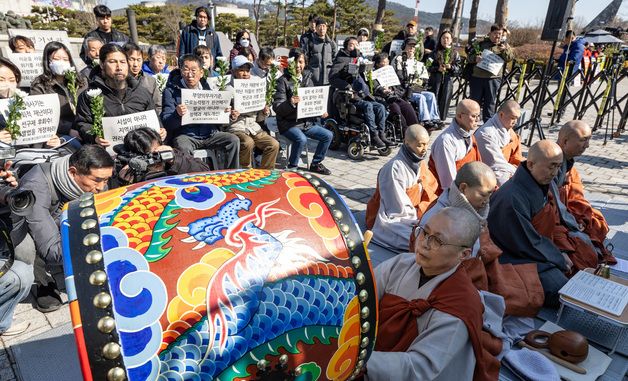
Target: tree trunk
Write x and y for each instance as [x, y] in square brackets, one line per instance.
[379, 16]
[455, 28]
[257, 5]
[333, 26]
[448, 13]
[473, 19]
[285, 22]
[276, 40]
[501, 13]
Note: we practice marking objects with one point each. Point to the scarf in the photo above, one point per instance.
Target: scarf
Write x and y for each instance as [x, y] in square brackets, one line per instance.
[466, 135]
[457, 199]
[62, 180]
[411, 158]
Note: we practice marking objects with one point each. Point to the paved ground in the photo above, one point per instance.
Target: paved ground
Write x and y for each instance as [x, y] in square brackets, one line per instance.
[604, 169]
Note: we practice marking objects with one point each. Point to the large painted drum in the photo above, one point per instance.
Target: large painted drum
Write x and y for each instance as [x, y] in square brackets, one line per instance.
[233, 275]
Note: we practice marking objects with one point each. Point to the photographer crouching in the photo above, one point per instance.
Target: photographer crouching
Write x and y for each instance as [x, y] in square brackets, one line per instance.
[143, 157]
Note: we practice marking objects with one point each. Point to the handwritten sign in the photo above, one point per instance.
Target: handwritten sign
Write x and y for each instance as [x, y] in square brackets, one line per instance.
[386, 76]
[41, 37]
[115, 128]
[30, 66]
[249, 94]
[213, 81]
[367, 48]
[491, 62]
[205, 106]
[395, 46]
[40, 118]
[313, 101]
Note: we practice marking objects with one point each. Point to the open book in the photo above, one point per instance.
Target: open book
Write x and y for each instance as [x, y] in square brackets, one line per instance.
[598, 292]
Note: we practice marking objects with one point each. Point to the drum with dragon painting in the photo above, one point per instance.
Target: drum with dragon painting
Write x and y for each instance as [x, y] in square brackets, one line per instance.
[232, 275]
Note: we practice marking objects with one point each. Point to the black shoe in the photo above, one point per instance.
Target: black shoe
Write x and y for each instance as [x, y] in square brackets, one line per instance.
[319, 168]
[382, 136]
[377, 142]
[48, 298]
[440, 124]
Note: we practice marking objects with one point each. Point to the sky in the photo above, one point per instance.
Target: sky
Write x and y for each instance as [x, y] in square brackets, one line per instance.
[525, 12]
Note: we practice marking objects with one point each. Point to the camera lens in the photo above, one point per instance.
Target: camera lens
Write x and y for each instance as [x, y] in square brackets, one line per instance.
[21, 201]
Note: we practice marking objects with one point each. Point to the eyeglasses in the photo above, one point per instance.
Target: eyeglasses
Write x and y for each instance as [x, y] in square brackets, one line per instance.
[188, 71]
[433, 242]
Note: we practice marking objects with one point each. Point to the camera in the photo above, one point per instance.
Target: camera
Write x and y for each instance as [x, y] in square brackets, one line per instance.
[20, 201]
[140, 165]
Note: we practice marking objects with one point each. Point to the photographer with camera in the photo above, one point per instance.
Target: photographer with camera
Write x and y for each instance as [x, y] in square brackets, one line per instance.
[143, 157]
[36, 227]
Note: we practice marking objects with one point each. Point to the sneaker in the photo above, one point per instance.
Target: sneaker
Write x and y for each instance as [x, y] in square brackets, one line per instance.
[319, 168]
[48, 298]
[16, 329]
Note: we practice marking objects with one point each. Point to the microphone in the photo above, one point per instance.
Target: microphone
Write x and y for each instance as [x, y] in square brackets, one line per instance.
[138, 164]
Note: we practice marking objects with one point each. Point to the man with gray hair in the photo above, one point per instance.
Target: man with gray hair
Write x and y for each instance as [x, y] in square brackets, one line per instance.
[430, 314]
[499, 145]
[157, 61]
[91, 46]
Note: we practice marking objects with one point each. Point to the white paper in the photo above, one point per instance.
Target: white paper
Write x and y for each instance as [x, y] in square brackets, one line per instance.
[395, 46]
[206, 106]
[597, 292]
[249, 94]
[386, 76]
[40, 118]
[115, 128]
[41, 37]
[213, 81]
[367, 48]
[313, 101]
[491, 62]
[30, 65]
[622, 265]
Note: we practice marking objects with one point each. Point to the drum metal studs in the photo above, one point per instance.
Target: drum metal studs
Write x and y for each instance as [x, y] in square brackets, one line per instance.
[298, 370]
[360, 278]
[87, 212]
[360, 364]
[337, 214]
[352, 378]
[351, 244]
[365, 312]
[86, 203]
[315, 182]
[365, 342]
[283, 359]
[366, 326]
[322, 191]
[88, 224]
[106, 324]
[116, 374]
[356, 262]
[111, 351]
[90, 239]
[262, 364]
[93, 257]
[356, 372]
[344, 228]
[102, 300]
[86, 196]
[363, 295]
[97, 278]
[330, 201]
[306, 175]
[363, 354]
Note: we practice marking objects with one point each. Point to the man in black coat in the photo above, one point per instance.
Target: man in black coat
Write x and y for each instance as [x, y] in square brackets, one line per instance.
[104, 31]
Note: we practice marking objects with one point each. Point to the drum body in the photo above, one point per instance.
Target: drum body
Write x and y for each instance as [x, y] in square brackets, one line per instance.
[232, 275]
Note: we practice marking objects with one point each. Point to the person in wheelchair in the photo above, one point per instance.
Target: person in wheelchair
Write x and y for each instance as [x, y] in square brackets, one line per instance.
[413, 76]
[393, 96]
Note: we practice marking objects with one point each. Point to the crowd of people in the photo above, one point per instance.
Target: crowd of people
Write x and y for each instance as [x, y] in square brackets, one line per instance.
[435, 210]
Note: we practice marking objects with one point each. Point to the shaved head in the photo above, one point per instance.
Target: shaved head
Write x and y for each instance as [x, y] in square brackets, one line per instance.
[573, 127]
[462, 226]
[509, 114]
[477, 182]
[467, 105]
[509, 106]
[573, 138]
[416, 139]
[544, 160]
[467, 114]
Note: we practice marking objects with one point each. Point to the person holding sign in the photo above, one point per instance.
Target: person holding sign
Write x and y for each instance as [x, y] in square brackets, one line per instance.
[484, 85]
[121, 94]
[134, 57]
[60, 77]
[190, 137]
[104, 30]
[298, 130]
[246, 128]
[444, 65]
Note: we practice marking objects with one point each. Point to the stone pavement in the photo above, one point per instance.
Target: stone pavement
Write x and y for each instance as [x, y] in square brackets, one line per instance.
[604, 169]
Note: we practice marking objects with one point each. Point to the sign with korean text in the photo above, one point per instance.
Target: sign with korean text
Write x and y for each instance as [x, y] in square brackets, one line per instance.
[367, 48]
[30, 66]
[395, 46]
[249, 94]
[313, 101]
[386, 76]
[491, 62]
[115, 128]
[40, 118]
[41, 37]
[206, 106]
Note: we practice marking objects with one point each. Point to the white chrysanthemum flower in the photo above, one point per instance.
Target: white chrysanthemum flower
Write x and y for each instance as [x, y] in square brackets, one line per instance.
[70, 69]
[20, 93]
[221, 58]
[93, 93]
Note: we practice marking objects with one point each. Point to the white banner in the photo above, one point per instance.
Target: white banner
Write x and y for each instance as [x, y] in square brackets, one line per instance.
[395, 46]
[367, 48]
[206, 106]
[491, 62]
[30, 66]
[313, 101]
[115, 128]
[386, 76]
[40, 118]
[249, 94]
[42, 37]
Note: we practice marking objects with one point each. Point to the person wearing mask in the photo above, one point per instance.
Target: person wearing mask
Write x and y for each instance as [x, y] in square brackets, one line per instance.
[243, 40]
[156, 63]
[444, 67]
[57, 62]
[198, 33]
[134, 58]
[104, 31]
[21, 44]
[320, 52]
[92, 50]
[122, 95]
[299, 130]
[195, 136]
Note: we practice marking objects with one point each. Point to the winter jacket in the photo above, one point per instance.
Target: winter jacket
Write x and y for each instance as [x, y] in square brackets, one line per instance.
[115, 36]
[44, 85]
[576, 52]
[148, 70]
[438, 58]
[172, 120]
[320, 53]
[339, 77]
[285, 110]
[504, 51]
[150, 83]
[136, 98]
[236, 51]
[189, 40]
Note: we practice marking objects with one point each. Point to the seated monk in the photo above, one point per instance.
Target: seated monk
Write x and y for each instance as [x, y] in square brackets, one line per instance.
[519, 285]
[499, 145]
[524, 221]
[405, 188]
[430, 314]
[456, 146]
[573, 139]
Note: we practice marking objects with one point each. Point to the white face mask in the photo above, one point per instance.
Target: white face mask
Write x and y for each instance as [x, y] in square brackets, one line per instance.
[7, 89]
[244, 43]
[59, 67]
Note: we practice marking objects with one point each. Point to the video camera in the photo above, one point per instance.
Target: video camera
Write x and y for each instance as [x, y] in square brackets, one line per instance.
[140, 165]
[20, 201]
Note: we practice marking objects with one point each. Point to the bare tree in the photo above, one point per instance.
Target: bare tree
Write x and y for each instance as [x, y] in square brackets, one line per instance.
[473, 19]
[455, 28]
[276, 39]
[379, 16]
[501, 12]
[333, 25]
[171, 14]
[448, 14]
[257, 8]
[285, 22]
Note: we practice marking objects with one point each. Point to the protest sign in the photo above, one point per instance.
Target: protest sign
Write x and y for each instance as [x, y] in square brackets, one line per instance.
[115, 128]
[395, 46]
[386, 76]
[30, 66]
[313, 101]
[249, 94]
[41, 37]
[40, 118]
[367, 48]
[205, 106]
[491, 62]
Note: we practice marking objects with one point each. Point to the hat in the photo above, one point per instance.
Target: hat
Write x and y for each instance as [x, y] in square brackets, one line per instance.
[239, 61]
[410, 41]
[363, 30]
[411, 22]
